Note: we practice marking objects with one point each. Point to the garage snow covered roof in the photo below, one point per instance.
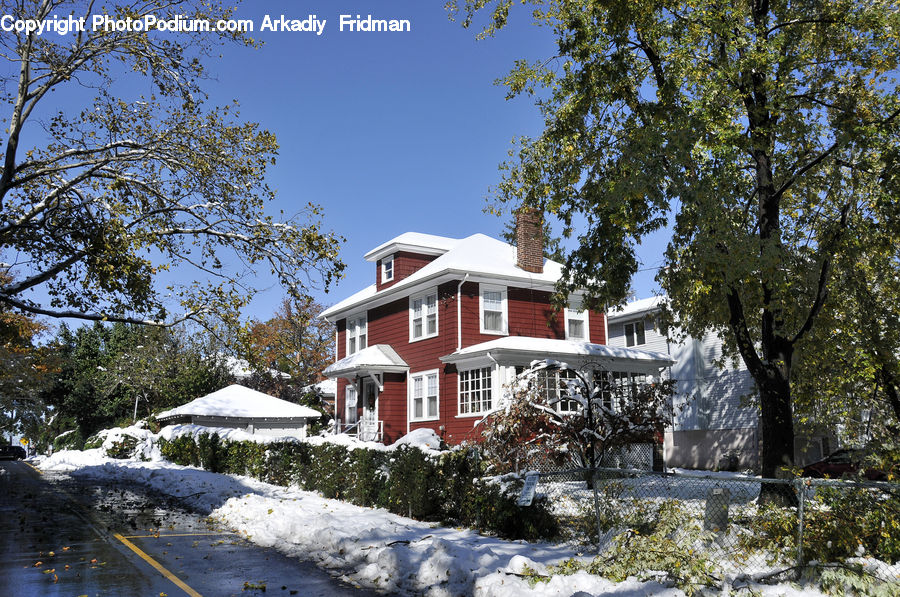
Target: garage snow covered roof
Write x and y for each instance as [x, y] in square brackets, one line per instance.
[239, 401]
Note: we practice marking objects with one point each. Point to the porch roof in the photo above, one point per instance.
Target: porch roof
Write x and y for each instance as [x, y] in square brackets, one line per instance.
[378, 358]
[515, 350]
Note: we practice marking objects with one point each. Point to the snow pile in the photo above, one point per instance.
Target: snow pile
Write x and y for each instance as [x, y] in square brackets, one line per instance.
[71, 460]
[372, 547]
[425, 440]
[146, 447]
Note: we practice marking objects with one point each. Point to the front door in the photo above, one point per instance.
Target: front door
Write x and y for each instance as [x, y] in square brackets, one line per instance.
[368, 427]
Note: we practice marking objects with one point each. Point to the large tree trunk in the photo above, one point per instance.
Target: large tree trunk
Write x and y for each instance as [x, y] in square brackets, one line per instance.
[776, 426]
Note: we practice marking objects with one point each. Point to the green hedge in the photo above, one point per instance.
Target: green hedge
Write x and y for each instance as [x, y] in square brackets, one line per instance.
[447, 488]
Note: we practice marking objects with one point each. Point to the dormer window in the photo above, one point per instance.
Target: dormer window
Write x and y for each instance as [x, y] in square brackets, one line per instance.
[387, 269]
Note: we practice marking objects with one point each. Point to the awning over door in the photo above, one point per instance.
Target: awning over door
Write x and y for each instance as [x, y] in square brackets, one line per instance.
[380, 358]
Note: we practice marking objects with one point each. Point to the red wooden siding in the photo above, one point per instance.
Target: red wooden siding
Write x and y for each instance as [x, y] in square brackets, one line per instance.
[405, 264]
[597, 327]
[529, 312]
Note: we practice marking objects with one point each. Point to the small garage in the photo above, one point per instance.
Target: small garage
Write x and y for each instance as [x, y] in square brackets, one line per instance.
[239, 407]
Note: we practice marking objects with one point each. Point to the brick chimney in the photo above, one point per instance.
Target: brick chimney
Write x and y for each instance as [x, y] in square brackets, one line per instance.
[529, 240]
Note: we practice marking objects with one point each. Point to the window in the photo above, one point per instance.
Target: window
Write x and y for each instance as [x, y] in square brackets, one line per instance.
[619, 387]
[554, 385]
[356, 334]
[634, 333]
[423, 315]
[475, 391]
[423, 396]
[576, 322]
[387, 269]
[493, 310]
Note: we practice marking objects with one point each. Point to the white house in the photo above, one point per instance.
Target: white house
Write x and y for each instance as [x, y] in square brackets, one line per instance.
[715, 408]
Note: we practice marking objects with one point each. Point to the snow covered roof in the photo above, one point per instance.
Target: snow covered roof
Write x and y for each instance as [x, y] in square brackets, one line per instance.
[239, 401]
[637, 307]
[514, 350]
[326, 387]
[482, 257]
[377, 358]
[415, 242]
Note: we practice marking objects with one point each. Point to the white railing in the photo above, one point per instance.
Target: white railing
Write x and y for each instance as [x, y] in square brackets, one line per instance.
[369, 431]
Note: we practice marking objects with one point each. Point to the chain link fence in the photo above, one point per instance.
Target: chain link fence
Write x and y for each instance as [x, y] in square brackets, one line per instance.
[736, 526]
[630, 456]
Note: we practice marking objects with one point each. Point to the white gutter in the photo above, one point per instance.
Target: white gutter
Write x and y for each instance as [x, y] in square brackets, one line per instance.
[606, 324]
[404, 288]
[459, 312]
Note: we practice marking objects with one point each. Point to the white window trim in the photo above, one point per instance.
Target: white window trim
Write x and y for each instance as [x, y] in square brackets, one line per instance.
[494, 393]
[578, 314]
[634, 323]
[410, 405]
[437, 323]
[504, 309]
[384, 270]
[355, 317]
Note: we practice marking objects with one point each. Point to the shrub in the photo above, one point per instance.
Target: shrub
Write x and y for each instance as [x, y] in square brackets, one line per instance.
[405, 481]
[413, 488]
[367, 483]
[328, 470]
[244, 458]
[181, 450]
[123, 448]
[70, 440]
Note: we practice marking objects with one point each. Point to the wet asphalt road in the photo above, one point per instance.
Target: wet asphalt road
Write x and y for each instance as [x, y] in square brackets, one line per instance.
[60, 536]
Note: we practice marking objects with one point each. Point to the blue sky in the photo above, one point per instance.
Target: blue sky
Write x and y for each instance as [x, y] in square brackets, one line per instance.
[389, 132]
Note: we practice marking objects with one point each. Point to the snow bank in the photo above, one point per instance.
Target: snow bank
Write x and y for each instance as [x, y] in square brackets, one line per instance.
[372, 547]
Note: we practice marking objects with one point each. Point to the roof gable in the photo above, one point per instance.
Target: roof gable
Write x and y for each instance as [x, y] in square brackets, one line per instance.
[483, 258]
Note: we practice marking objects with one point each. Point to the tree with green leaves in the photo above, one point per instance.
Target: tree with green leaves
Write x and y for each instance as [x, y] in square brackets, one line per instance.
[851, 381]
[288, 352]
[765, 135]
[24, 369]
[106, 373]
[115, 170]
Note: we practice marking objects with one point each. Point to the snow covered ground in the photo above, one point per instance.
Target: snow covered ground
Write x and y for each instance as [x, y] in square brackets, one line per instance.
[370, 547]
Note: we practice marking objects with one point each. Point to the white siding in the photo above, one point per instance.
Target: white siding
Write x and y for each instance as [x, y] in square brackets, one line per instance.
[707, 396]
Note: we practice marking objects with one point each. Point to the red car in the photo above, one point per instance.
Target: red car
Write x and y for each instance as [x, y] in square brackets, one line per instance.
[847, 461]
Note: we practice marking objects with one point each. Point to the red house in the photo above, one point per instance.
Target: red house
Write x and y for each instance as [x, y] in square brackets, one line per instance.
[445, 327]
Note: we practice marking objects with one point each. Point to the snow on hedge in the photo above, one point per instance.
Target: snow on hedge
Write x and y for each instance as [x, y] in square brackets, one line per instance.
[372, 547]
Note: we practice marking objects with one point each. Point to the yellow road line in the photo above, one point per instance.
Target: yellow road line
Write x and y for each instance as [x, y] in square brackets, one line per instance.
[164, 535]
[178, 582]
[39, 471]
